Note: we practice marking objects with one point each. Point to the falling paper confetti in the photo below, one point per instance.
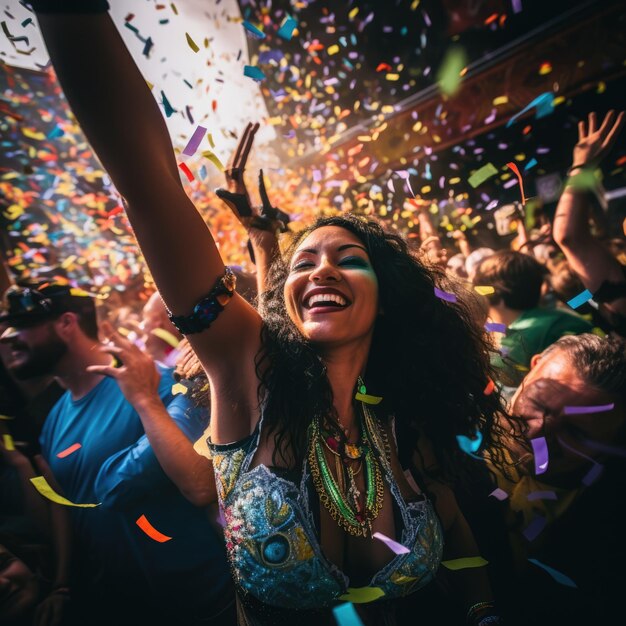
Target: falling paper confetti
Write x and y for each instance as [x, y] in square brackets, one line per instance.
[499, 494]
[465, 563]
[194, 142]
[580, 410]
[444, 295]
[482, 174]
[533, 530]
[42, 486]
[449, 75]
[540, 450]
[253, 72]
[150, 530]
[470, 445]
[287, 27]
[396, 547]
[361, 595]
[560, 578]
[580, 299]
[544, 105]
[346, 615]
[68, 451]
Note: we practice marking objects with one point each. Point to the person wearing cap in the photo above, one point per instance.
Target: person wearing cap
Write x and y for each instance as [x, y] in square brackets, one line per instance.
[106, 441]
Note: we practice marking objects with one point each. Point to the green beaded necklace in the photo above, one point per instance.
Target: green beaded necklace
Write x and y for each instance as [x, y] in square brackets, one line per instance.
[344, 504]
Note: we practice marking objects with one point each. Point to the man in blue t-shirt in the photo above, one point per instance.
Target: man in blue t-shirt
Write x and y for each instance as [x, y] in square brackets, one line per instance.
[146, 554]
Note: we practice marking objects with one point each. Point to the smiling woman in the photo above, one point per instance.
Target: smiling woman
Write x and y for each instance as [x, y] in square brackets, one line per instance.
[308, 472]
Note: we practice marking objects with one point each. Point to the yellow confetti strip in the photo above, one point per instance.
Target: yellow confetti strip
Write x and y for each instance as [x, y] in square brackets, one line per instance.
[333, 49]
[484, 290]
[166, 336]
[8, 442]
[192, 44]
[500, 100]
[361, 595]
[74, 291]
[214, 159]
[42, 486]
[466, 563]
[6, 417]
[179, 388]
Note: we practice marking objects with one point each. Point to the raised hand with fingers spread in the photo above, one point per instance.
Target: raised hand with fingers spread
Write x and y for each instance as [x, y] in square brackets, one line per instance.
[593, 142]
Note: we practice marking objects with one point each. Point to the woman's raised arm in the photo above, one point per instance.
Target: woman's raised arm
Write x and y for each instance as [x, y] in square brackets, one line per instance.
[123, 123]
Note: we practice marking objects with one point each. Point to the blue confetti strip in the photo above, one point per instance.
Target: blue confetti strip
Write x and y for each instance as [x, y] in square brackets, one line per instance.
[346, 615]
[253, 72]
[580, 299]
[560, 578]
[287, 27]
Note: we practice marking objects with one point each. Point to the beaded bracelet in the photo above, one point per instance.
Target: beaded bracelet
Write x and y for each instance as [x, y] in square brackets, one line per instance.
[477, 608]
[207, 310]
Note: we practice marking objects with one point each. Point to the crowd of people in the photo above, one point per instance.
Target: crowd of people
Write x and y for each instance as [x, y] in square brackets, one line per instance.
[365, 423]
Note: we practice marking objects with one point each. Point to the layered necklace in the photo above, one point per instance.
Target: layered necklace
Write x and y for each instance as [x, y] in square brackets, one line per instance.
[339, 493]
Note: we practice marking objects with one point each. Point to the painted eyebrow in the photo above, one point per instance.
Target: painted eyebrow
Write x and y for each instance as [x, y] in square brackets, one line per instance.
[339, 249]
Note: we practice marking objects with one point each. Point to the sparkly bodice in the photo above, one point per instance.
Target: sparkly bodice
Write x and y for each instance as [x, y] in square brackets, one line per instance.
[273, 544]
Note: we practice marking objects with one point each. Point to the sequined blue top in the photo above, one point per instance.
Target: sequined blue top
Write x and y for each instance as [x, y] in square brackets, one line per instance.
[273, 545]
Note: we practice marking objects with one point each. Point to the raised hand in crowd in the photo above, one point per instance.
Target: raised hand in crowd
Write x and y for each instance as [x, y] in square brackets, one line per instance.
[597, 268]
[262, 225]
[138, 379]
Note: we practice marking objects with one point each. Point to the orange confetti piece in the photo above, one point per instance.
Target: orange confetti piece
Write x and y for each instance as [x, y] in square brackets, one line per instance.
[150, 530]
[545, 68]
[513, 167]
[492, 18]
[68, 451]
[488, 390]
[384, 66]
[187, 171]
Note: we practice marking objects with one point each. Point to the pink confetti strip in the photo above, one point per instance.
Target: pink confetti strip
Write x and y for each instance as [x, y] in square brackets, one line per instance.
[194, 142]
[499, 494]
[68, 451]
[581, 410]
[396, 547]
[540, 449]
[444, 295]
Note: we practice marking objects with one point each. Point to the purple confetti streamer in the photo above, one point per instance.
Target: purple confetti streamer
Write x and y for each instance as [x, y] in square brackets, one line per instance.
[396, 547]
[495, 327]
[194, 142]
[541, 495]
[532, 531]
[444, 295]
[581, 410]
[540, 449]
[593, 474]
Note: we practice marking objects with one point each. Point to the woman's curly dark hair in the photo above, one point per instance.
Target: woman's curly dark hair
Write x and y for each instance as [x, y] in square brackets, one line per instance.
[429, 359]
